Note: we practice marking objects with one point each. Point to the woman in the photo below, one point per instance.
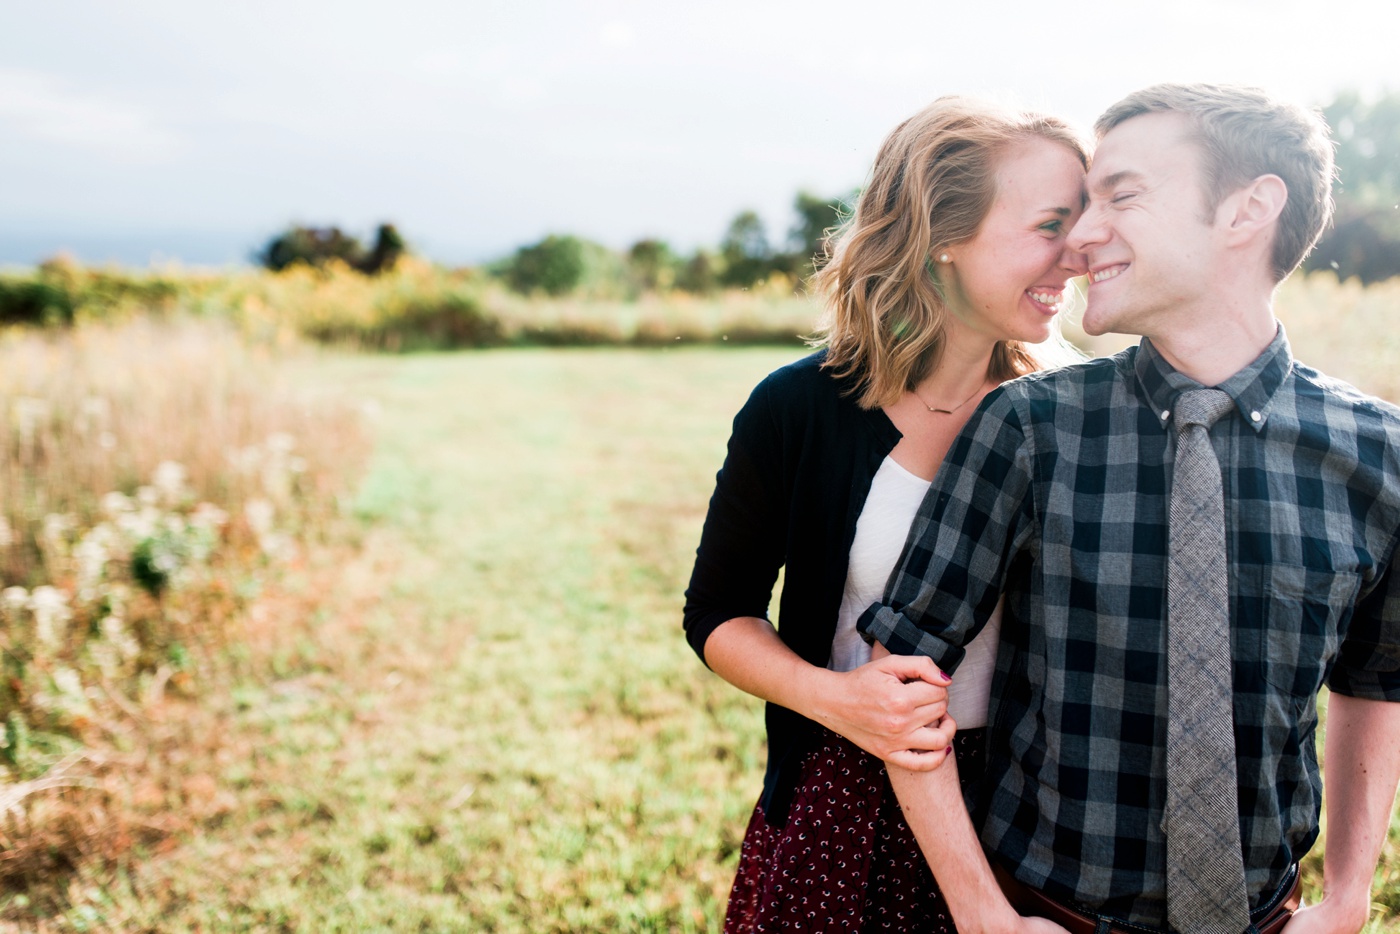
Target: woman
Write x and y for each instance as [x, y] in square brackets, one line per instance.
[954, 260]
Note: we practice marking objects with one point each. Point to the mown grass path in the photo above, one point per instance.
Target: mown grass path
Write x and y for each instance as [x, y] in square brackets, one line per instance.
[517, 738]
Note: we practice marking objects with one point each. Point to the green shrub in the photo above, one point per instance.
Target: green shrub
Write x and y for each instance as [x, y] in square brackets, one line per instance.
[555, 266]
[34, 302]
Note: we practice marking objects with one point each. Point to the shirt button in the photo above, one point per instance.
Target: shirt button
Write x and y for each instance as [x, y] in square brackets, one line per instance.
[1255, 416]
[1166, 414]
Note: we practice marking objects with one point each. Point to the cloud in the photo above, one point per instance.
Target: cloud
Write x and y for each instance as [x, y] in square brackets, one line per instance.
[36, 106]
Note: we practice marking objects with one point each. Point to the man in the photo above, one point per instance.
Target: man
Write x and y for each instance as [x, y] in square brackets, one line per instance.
[1081, 493]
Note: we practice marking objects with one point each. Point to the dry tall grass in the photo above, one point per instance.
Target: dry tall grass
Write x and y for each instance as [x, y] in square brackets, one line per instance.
[153, 479]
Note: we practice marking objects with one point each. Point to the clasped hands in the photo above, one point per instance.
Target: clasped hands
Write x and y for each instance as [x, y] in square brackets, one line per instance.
[894, 707]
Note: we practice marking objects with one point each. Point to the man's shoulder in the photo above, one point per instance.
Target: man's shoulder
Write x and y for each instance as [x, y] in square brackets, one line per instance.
[1085, 382]
[1318, 391]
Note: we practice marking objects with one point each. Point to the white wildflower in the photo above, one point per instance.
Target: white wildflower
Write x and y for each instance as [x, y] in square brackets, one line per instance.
[93, 412]
[107, 440]
[138, 524]
[28, 412]
[57, 526]
[169, 482]
[14, 601]
[115, 504]
[51, 612]
[209, 517]
[68, 682]
[54, 535]
[68, 697]
[92, 553]
[245, 461]
[259, 513]
[115, 632]
[147, 495]
[104, 656]
[280, 444]
[297, 465]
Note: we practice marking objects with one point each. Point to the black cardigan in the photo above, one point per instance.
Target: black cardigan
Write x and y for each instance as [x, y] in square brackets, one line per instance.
[801, 459]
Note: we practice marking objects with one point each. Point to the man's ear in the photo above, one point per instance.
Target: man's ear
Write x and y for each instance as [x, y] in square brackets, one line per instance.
[1254, 208]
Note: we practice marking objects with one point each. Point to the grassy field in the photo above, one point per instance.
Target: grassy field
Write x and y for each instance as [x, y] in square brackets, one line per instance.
[483, 716]
[517, 738]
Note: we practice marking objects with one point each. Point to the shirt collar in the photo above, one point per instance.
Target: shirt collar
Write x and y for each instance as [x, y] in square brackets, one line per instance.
[1252, 388]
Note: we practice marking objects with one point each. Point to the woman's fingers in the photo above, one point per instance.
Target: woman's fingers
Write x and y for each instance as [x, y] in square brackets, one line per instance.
[914, 668]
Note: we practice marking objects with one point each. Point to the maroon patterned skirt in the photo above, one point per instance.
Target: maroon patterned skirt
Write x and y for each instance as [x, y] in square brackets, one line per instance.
[845, 860]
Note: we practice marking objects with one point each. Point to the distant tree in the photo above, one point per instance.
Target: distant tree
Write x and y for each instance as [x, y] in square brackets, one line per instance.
[312, 246]
[316, 246]
[816, 219]
[747, 255]
[1368, 147]
[1364, 240]
[700, 274]
[555, 265]
[388, 248]
[652, 264]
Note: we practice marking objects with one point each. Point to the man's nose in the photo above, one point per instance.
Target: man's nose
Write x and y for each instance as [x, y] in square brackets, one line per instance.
[1086, 232]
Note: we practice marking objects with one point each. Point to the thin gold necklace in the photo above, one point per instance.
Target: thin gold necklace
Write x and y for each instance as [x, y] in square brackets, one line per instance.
[954, 408]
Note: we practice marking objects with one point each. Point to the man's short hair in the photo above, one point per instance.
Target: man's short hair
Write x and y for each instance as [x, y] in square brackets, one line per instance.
[1243, 134]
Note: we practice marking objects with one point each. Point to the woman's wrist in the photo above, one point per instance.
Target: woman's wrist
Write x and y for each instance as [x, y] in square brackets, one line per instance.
[813, 690]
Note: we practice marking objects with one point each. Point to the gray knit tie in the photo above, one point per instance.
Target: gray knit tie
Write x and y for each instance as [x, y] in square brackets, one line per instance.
[1205, 867]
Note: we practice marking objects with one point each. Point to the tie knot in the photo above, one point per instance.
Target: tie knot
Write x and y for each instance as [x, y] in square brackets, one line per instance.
[1201, 407]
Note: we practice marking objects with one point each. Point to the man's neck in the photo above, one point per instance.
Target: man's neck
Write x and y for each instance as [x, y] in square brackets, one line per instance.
[1215, 348]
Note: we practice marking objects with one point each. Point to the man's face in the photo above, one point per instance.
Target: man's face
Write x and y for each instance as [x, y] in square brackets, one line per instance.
[1151, 250]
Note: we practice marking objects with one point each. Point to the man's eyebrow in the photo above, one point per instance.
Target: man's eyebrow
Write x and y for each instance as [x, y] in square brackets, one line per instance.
[1112, 181]
[1063, 212]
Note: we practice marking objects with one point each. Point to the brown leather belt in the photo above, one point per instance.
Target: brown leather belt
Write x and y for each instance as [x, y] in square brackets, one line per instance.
[1028, 901]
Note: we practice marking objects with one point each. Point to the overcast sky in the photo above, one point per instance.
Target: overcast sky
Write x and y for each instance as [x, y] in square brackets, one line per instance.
[150, 129]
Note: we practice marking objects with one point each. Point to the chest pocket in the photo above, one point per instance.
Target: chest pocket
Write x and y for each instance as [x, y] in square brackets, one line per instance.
[1290, 621]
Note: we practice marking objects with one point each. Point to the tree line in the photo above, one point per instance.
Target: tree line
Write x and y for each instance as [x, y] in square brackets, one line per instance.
[1362, 243]
[746, 256]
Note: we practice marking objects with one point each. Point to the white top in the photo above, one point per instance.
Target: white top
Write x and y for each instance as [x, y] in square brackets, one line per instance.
[895, 495]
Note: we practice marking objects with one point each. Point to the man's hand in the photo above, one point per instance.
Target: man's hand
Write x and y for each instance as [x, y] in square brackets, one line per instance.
[896, 708]
[1040, 926]
[1328, 916]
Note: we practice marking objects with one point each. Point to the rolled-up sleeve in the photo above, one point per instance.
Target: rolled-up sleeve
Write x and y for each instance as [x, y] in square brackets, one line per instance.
[1368, 663]
[978, 513]
[743, 540]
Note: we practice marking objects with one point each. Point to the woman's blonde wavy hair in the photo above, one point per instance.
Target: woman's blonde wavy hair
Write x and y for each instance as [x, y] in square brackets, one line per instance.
[931, 187]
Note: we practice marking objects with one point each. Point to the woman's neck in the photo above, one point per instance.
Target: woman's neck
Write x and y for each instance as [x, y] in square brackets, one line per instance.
[959, 372]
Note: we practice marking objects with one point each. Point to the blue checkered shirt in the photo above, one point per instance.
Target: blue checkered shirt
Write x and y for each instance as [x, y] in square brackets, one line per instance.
[1056, 493]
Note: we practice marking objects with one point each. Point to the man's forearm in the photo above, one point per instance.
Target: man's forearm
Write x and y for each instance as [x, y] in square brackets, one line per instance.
[933, 807]
[1362, 758]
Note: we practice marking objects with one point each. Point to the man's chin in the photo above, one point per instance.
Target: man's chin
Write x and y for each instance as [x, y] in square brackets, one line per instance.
[1095, 324]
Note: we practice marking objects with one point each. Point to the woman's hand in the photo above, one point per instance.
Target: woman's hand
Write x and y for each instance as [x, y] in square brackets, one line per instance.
[895, 707]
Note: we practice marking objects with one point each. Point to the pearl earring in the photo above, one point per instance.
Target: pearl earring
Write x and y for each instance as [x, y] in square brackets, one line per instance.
[943, 257]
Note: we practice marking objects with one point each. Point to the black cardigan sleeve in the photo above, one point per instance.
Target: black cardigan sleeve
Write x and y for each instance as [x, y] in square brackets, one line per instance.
[743, 543]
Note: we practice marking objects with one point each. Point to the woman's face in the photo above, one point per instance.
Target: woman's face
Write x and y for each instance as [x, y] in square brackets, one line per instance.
[1008, 281]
